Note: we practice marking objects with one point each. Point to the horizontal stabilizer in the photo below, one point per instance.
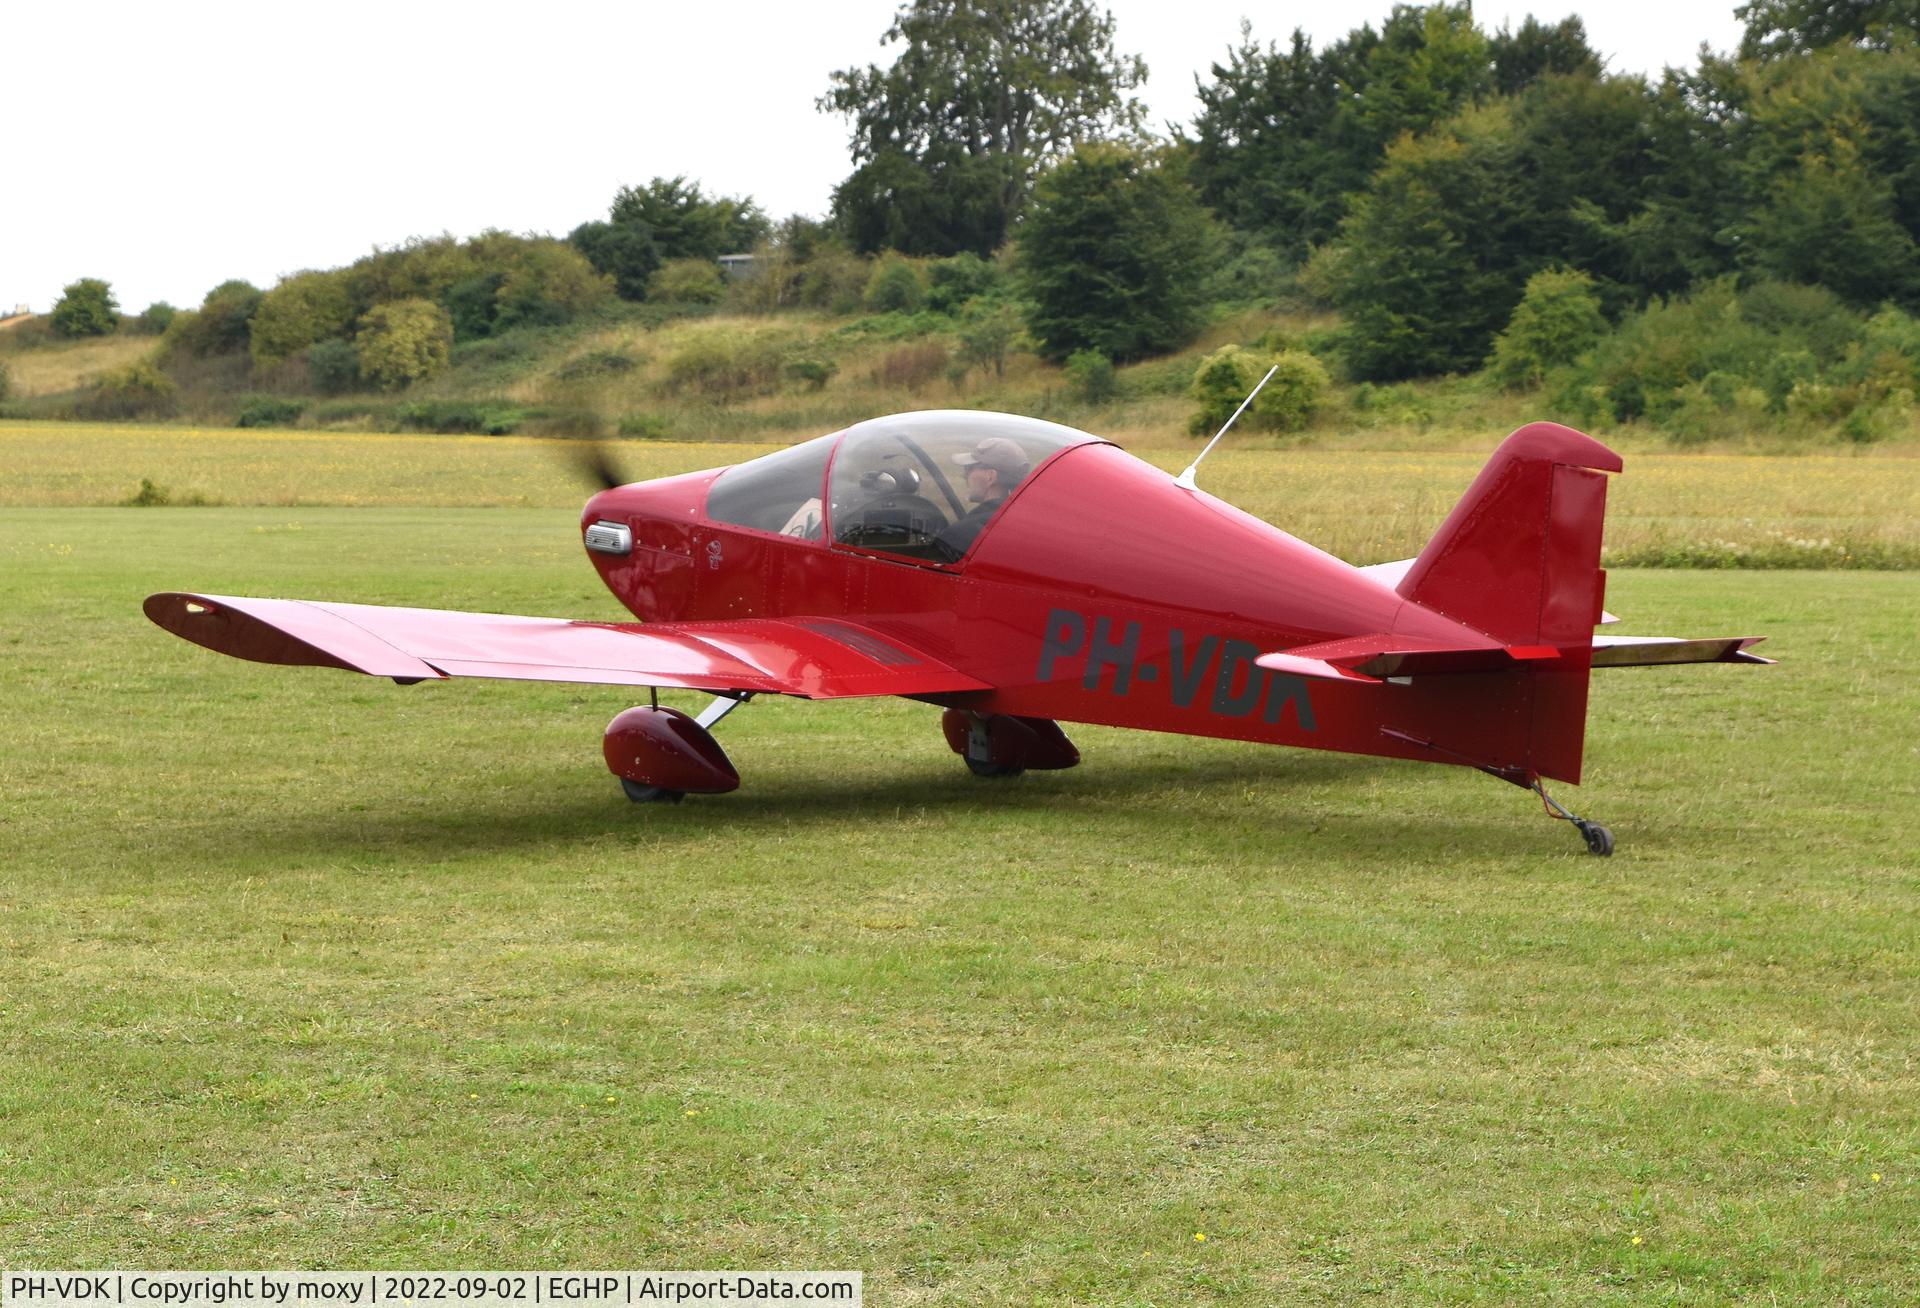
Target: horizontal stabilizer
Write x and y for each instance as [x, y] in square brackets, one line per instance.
[1373, 659]
[1647, 651]
[816, 658]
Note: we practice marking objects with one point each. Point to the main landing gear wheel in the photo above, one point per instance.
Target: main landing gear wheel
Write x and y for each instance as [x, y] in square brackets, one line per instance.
[981, 767]
[640, 794]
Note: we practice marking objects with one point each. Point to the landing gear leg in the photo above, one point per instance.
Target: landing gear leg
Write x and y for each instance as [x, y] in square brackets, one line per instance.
[1599, 839]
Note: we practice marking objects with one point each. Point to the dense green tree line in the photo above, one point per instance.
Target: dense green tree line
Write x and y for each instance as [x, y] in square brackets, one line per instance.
[1420, 177]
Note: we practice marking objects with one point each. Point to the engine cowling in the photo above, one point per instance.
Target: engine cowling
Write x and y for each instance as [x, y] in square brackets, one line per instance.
[666, 748]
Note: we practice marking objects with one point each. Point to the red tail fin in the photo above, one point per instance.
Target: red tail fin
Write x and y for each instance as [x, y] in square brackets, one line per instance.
[1519, 559]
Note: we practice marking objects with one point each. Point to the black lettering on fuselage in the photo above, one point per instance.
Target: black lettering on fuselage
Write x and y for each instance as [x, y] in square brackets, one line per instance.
[1239, 685]
[1066, 633]
[1188, 671]
[1106, 652]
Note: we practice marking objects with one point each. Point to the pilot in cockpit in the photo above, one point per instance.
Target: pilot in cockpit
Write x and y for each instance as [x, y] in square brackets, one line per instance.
[994, 467]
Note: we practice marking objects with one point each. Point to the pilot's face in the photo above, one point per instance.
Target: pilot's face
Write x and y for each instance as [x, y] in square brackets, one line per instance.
[983, 484]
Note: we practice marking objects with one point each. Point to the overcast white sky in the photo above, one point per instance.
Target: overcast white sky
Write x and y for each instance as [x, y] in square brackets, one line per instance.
[167, 147]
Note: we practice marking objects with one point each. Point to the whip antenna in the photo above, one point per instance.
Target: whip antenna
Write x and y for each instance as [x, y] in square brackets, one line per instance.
[1186, 478]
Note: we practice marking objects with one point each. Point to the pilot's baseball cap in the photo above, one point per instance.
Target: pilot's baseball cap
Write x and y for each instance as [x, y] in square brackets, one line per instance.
[998, 453]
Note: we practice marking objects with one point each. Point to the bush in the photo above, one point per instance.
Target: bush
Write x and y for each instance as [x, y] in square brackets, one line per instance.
[1558, 319]
[457, 417]
[912, 366]
[333, 366]
[267, 411]
[595, 363]
[833, 279]
[811, 374]
[6, 382]
[955, 281]
[86, 308]
[139, 390]
[472, 305]
[724, 364]
[987, 334]
[403, 342]
[1286, 403]
[645, 426]
[687, 281]
[154, 319]
[1090, 373]
[894, 287]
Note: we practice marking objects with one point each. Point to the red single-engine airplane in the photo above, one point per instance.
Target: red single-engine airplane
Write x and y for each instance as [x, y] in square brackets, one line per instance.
[1018, 574]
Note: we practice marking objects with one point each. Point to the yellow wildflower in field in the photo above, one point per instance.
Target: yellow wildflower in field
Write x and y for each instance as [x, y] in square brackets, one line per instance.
[1199, 1237]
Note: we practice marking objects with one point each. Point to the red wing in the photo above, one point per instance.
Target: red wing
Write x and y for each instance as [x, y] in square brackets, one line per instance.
[817, 658]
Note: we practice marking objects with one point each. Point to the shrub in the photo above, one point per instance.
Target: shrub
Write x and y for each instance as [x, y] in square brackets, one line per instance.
[645, 426]
[1558, 319]
[811, 374]
[1286, 403]
[894, 287]
[955, 281]
[403, 342]
[1090, 373]
[833, 279]
[723, 364]
[457, 417]
[687, 281]
[86, 308]
[6, 382]
[139, 390]
[912, 366]
[267, 411]
[595, 363]
[986, 335]
[333, 366]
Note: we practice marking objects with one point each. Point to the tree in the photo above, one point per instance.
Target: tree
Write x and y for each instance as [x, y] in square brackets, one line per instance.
[685, 224]
[1427, 269]
[304, 308]
[1285, 137]
[223, 324]
[1115, 253]
[403, 342]
[1535, 51]
[548, 282]
[1787, 27]
[86, 308]
[625, 252]
[1558, 318]
[983, 94]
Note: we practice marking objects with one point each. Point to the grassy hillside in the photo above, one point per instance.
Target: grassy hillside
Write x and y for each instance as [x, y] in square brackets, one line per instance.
[648, 373]
[1366, 506]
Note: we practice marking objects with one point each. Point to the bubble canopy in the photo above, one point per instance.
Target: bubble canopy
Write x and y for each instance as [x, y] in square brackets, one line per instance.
[920, 486]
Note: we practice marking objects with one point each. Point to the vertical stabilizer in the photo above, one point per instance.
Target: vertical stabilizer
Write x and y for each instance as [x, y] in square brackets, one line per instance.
[1519, 559]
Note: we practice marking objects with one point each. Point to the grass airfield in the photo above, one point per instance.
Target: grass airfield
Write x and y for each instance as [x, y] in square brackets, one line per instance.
[301, 968]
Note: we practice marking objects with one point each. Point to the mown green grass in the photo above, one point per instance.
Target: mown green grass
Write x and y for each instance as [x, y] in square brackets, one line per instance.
[300, 968]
